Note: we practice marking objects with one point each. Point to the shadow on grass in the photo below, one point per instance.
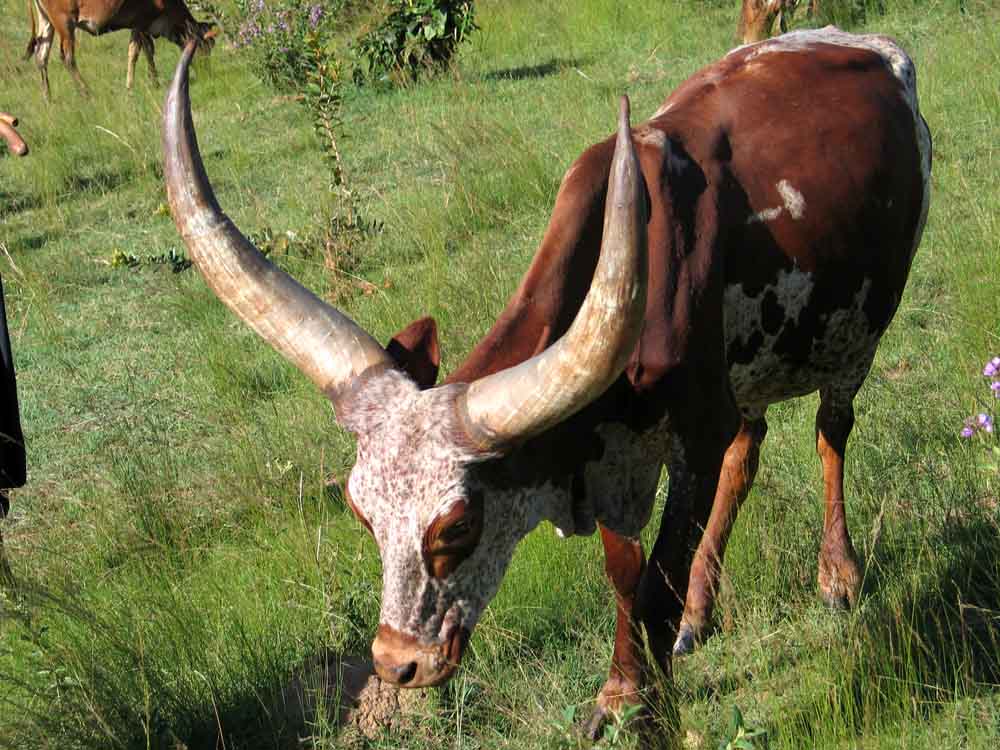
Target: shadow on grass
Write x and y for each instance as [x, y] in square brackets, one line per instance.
[80, 675]
[918, 650]
[100, 181]
[527, 72]
[11, 203]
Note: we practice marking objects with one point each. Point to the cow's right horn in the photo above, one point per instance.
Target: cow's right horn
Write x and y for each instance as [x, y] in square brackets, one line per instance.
[327, 346]
[515, 404]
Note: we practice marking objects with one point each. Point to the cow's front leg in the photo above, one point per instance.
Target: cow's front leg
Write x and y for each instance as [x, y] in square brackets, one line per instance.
[694, 475]
[839, 572]
[624, 563]
[735, 480]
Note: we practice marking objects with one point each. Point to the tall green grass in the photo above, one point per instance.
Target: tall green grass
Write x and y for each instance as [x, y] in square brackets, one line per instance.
[178, 551]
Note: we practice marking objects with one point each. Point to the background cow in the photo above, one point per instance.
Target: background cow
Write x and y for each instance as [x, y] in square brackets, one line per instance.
[780, 237]
[757, 18]
[143, 42]
[146, 18]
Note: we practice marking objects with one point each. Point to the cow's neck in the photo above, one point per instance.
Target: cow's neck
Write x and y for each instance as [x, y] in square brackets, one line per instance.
[553, 289]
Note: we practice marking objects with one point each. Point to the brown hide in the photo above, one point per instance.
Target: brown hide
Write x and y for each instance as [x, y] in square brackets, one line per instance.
[786, 181]
[710, 160]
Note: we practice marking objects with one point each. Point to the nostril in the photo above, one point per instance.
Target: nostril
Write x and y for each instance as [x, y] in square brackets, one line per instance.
[405, 672]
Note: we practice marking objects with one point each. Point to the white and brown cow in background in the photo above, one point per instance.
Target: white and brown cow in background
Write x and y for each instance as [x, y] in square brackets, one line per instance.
[757, 18]
[146, 19]
[781, 228]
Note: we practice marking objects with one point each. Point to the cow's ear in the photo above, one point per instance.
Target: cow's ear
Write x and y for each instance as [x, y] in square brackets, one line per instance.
[416, 352]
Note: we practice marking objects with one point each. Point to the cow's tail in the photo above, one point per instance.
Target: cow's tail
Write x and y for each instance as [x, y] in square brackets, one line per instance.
[33, 42]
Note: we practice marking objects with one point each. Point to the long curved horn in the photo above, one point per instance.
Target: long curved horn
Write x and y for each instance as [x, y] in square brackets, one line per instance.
[514, 404]
[327, 346]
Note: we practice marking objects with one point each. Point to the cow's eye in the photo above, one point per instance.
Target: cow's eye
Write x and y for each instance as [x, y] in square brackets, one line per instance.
[457, 532]
[453, 537]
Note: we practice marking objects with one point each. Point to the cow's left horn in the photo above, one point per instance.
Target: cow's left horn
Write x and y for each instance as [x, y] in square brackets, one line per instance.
[515, 404]
[327, 346]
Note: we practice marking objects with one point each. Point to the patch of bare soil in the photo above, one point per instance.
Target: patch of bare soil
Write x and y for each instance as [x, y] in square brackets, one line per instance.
[344, 691]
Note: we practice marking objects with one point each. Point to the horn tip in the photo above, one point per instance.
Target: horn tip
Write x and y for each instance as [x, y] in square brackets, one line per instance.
[623, 112]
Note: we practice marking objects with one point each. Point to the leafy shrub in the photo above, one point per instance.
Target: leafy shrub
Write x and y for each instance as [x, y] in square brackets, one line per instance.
[415, 36]
[282, 36]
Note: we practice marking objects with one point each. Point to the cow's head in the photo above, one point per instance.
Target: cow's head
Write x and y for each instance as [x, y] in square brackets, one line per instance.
[180, 27]
[429, 479]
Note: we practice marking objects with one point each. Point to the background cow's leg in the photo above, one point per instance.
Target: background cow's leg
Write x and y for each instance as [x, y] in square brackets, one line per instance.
[67, 45]
[133, 55]
[146, 41]
[694, 475]
[624, 563]
[43, 46]
[839, 572]
[735, 480]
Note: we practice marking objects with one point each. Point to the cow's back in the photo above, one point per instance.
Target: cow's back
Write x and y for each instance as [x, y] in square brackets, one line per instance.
[827, 163]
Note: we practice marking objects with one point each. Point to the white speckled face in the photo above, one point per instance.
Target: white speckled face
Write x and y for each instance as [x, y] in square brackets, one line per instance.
[411, 472]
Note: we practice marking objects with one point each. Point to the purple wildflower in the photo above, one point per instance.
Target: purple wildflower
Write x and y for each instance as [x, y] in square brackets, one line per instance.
[992, 367]
[985, 422]
[258, 6]
[315, 14]
[995, 387]
[967, 432]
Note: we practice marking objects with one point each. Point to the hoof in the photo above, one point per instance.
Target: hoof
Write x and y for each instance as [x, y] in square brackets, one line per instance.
[836, 600]
[594, 727]
[686, 641]
[839, 581]
[618, 701]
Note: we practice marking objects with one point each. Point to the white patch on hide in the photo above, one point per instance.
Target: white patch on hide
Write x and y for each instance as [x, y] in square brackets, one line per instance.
[842, 354]
[794, 202]
[650, 135]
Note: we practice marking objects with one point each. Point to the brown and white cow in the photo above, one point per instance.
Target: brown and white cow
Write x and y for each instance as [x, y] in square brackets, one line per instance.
[787, 189]
[15, 143]
[146, 18]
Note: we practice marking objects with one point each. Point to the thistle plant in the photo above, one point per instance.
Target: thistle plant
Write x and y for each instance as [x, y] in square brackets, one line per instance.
[983, 422]
[982, 426]
[281, 36]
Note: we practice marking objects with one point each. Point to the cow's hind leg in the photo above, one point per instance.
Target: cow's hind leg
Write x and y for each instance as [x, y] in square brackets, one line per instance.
[739, 467]
[67, 46]
[134, 45]
[146, 42]
[624, 563]
[42, 47]
[839, 572]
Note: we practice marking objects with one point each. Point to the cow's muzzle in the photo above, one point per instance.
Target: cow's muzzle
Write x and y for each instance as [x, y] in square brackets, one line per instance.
[402, 660]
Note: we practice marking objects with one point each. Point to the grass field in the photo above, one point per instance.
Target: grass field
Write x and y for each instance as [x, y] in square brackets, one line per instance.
[177, 551]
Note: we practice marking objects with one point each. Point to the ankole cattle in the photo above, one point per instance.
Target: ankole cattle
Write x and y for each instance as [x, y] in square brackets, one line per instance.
[146, 18]
[750, 243]
[15, 144]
